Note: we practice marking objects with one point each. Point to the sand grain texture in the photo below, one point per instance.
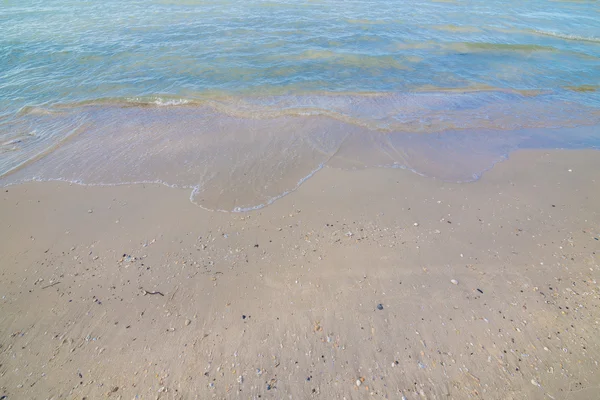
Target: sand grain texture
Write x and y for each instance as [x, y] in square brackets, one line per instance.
[488, 289]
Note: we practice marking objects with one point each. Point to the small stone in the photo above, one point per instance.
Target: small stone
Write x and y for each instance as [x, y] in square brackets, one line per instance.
[187, 322]
[240, 379]
[454, 281]
[416, 224]
[90, 211]
[380, 306]
[533, 382]
[358, 382]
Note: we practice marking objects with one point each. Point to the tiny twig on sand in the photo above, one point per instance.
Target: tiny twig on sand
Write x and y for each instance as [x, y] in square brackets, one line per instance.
[147, 292]
[50, 285]
[476, 379]
[175, 292]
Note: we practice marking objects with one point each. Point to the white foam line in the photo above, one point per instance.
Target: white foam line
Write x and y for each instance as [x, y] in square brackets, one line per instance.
[475, 176]
[195, 189]
[274, 199]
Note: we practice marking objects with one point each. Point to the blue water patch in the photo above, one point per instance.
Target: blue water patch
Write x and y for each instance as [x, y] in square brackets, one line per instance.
[72, 51]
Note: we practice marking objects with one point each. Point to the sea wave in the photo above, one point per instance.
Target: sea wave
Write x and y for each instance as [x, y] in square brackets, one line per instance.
[567, 36]
[159, 101]
[426, 109]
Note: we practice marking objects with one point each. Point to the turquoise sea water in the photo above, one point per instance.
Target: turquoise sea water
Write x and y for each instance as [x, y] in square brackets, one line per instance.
[202, 93]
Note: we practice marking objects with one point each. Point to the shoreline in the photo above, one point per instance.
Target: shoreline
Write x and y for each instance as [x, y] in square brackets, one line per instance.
[237, 164]
[195, 189]
[383, 124]
[284, 301]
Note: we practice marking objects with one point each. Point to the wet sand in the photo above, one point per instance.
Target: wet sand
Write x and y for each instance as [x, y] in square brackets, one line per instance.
[375, 283]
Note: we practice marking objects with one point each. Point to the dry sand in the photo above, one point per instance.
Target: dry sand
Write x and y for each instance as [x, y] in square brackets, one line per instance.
[488, 290]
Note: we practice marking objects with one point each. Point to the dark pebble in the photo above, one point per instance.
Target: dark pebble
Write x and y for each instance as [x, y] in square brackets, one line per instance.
[480, 291]
[380, 306]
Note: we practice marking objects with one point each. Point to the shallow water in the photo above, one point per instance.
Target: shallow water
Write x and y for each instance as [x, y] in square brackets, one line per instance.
[243, 101]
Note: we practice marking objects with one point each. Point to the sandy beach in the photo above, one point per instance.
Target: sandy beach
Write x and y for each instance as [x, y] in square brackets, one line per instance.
[374, 283]
[299, 200]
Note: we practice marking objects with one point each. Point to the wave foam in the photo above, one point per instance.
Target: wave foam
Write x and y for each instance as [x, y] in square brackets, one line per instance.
[568, 36]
